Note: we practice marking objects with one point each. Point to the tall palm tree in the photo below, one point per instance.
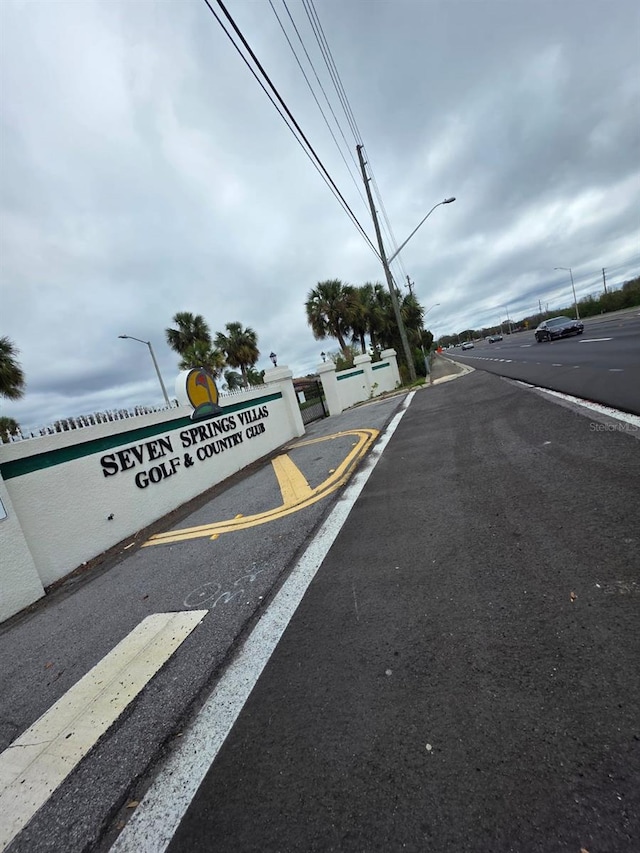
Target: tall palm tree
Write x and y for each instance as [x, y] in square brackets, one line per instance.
[330, 311]
[12, 382]
[191, 329]
[382, 319]
[202, 354]
[240, 347]
[361, 315]
[412, 313]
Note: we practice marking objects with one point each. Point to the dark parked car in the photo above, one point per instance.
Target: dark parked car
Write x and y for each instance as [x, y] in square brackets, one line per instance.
[558, 327]
[494, 338]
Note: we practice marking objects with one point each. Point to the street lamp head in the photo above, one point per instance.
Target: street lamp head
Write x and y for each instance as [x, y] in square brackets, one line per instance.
[123, 336]
[274, 358]
[449, 200]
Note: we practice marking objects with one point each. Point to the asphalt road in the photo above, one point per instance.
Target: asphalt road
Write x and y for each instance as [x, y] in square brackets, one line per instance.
[462, 673]
[602, 365]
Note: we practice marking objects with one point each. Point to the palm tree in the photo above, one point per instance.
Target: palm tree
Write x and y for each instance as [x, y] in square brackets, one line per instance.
[202, 354]
[191, 329]
[361, 315]
[233, 380]
[412, 313]
[8, 427]
[240, 347]
[12, 382]
[255, 377]
[382, 320]
[330, 310]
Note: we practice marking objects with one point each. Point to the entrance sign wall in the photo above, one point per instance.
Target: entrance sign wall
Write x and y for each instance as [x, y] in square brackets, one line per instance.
[73, 495]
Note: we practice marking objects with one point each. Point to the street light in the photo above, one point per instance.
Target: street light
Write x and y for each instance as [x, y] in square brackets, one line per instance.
[430, 309]
[274, 358]
[397, 252]
[323, 356]
[155, 364]
[575, 301]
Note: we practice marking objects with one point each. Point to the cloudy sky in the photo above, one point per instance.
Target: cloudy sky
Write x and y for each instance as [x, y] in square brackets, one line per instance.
[144, 172]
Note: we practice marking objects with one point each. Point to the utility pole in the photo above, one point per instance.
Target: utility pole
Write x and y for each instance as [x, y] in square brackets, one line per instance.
[387, 272]
[540, 307]
[506, 308]
[411, 285]
[604, 280]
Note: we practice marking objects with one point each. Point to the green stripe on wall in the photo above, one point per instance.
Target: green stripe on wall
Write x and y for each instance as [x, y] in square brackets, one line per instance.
[380, 366]
[50, 458]
[349, 375]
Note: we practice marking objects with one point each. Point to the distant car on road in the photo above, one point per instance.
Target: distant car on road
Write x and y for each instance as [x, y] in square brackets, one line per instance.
[467, 345]
[558, 327]
[494, 338]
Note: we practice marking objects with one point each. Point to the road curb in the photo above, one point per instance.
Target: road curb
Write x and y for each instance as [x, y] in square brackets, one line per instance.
[464, 369]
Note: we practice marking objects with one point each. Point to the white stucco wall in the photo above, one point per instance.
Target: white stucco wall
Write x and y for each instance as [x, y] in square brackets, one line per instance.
[361, 382]
[352, 387]
[78, 493]
[383, 377]
[20, 585]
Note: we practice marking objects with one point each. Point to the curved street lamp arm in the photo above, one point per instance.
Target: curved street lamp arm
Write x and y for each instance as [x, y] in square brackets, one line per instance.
[131, 338]
[397, 252]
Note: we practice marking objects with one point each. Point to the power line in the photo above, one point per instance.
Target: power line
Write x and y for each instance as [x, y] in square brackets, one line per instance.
[334, 74]
[326, 97]
[348, 110]
[326, 121]
[325, 52]
[320, 165]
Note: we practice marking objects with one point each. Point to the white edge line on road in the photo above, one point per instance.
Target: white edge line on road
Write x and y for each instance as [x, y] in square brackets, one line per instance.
[157, 817]
[587, 404]
[593, 340]
[38, 761]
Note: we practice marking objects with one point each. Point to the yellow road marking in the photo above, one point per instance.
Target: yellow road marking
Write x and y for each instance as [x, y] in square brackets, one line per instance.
[217, 535]
[293, 484]
[296, 496]
[39, 760]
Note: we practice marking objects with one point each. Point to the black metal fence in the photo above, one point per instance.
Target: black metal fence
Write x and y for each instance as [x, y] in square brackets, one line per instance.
[314, 406]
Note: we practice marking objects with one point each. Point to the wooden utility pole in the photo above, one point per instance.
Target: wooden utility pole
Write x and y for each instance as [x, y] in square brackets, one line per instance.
[383, 257]
[604, 280]
[410, 285]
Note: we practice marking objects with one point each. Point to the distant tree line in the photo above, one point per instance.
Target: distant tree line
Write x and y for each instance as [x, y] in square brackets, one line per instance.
[626, 296]
[351, 314]
[236, 347]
